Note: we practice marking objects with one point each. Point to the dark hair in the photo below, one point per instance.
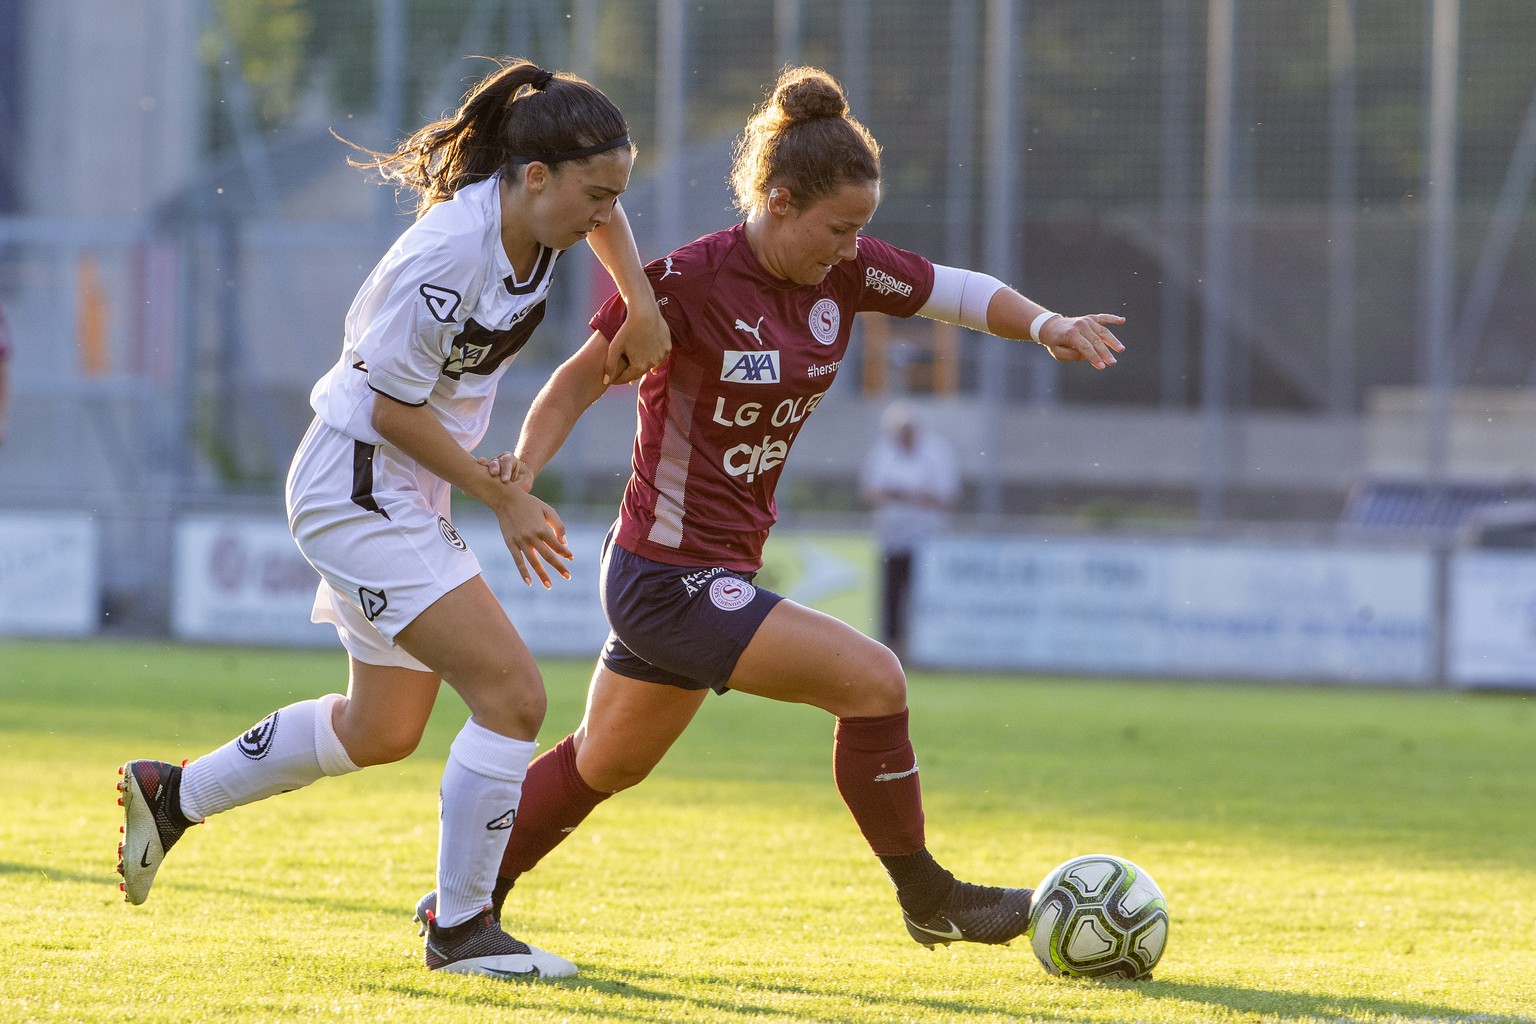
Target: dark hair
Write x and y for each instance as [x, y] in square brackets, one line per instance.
[802, 138]
[516, 115]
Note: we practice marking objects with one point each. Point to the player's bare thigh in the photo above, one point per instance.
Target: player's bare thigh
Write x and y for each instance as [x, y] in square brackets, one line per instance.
[629, 726]
[803, 656]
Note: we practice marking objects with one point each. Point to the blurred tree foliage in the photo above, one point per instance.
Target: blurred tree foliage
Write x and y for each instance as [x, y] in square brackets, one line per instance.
[1091, 81]
[265, 43]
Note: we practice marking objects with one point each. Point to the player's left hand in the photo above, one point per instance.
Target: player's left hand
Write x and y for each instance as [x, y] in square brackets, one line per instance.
[638, 346]
[1073, 339]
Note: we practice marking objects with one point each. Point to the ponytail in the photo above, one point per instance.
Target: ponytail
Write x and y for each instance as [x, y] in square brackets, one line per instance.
[516, 115]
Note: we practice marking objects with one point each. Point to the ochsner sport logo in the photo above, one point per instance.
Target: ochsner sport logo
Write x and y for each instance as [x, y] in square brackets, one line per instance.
[731, 592]
[824, 320]
[883, 283]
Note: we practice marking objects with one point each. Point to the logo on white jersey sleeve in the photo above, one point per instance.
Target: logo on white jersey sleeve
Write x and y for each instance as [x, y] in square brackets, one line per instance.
[442, 302]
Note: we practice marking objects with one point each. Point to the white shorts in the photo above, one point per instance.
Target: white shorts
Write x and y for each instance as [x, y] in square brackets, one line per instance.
[376, 527]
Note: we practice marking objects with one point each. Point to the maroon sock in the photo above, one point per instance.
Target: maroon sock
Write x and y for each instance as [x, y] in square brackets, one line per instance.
[876, 774]
[555, 800]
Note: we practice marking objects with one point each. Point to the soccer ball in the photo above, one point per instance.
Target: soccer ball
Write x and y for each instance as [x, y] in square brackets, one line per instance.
[1099, 916]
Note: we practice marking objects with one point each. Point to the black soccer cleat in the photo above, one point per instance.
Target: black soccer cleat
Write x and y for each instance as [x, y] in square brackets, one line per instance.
[479, 946]
[152, 822]
[974, 913]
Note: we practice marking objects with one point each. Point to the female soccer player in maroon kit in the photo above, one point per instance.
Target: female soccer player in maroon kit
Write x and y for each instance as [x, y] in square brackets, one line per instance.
[760, 316]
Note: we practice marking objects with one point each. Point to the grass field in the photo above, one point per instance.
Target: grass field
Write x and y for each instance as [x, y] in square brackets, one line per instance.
[1327, 854]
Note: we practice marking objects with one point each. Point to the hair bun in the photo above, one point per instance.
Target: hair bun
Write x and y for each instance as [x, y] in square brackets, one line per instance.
[809, 94]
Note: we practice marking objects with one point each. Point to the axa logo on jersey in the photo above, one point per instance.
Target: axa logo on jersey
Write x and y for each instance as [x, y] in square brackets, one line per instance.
[750, 367]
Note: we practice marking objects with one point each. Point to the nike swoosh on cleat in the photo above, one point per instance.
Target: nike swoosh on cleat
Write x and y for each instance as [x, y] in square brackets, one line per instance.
[952, 935]
[144, 859]
[511, 975]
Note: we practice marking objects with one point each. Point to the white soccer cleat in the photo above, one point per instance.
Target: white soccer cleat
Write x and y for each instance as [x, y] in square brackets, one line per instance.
[152, 822]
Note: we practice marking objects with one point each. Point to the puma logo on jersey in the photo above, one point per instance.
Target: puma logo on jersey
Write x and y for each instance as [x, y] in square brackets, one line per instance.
[752, 329]
[669, 272]
[750, 367]
[442, 302]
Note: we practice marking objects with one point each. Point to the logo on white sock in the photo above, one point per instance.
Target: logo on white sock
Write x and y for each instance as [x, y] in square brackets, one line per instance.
[502, 823]
[257, 740]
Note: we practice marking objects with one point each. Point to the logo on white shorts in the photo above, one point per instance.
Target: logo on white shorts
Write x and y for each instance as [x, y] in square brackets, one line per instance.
[824, 320]
[730, 593]
[373, 601]
[450, 534]
[257, 740]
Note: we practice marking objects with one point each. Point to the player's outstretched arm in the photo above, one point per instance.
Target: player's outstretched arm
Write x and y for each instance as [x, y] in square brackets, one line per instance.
[569, 392]
[983, 303]
[1068, 339]
[644, 339]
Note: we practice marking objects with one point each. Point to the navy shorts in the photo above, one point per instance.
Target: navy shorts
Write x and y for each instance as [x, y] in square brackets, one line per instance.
[675, 624]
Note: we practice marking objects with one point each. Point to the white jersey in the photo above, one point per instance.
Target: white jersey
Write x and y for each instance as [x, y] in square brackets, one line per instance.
[437, 322]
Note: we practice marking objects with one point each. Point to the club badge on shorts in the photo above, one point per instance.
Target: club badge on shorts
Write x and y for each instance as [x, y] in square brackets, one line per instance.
[450, 534]
[729, 593]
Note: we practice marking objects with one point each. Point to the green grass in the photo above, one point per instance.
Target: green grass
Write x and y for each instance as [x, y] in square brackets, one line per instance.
[1327, 854]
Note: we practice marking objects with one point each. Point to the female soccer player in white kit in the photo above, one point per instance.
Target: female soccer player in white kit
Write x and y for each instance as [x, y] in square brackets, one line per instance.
[530, 165]
[760, 317]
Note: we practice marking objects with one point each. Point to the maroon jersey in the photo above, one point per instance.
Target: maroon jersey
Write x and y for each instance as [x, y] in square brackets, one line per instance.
[752, 355]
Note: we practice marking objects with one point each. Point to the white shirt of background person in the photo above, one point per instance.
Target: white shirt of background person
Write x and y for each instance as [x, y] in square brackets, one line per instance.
[911, 479]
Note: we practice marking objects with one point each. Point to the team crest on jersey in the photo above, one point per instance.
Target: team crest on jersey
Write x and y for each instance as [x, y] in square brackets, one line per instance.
[257, 740]
[750, 367]
[731, 592]
[442, 302]
[824, 320]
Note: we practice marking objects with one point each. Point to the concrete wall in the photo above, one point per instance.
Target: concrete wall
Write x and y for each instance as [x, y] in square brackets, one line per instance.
[109, 153]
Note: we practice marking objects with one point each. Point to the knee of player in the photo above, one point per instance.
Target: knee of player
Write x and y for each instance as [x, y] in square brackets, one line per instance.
[891, 677]
[888, 684]
[383, 746]
[609, 773]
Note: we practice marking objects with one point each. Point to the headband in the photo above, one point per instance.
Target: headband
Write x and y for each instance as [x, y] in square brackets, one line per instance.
[577, 154]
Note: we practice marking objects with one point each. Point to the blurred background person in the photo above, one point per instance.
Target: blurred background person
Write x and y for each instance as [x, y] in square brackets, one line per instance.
[911, 481]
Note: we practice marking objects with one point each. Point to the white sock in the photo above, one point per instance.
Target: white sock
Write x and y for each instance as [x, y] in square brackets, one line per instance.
[287, 750]
[482, 785]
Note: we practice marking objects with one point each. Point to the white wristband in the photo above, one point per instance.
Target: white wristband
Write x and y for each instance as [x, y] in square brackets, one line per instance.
[1039, 322]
